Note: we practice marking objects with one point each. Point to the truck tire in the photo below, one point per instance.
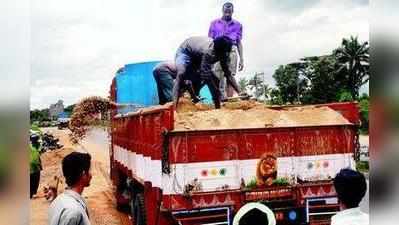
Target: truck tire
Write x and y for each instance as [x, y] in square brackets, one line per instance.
[139, 212]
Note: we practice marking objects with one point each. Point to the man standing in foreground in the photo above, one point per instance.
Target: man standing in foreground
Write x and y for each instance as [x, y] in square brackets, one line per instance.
[227, 26]
[70, 208]
[351, 187]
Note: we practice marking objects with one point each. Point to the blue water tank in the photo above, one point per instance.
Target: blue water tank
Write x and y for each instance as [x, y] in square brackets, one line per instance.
[135, 85]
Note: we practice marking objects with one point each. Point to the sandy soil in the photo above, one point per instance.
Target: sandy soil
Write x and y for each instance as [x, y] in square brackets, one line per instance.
[99, 195]
[250, 114]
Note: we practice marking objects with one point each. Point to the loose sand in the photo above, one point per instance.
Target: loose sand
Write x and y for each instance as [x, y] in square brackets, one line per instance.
[251, 114]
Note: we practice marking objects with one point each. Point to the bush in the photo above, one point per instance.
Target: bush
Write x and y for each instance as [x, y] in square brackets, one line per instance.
[281, 181]
[345, 96]
[251, 184]
[35, 127]
[362, 166]
[364, 103]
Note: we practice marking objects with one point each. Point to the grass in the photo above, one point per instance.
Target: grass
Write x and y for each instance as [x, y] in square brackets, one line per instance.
[281, 181]
[362, 166]
[277, 182]
[251, 184]
[35, 127]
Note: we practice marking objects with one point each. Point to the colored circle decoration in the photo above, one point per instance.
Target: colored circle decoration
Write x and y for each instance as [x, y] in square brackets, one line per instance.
[326, 164]
[222, 171]
[292, 215]
[279, 216]
[310, 166]
[213, 172]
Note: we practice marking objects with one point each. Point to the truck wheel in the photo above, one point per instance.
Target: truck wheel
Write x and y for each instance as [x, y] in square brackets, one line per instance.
[139, 213]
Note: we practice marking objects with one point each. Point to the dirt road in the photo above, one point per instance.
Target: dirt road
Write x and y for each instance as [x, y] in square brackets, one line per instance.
[99, 195]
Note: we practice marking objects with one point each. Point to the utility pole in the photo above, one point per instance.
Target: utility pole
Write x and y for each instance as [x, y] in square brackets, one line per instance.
[256, 83]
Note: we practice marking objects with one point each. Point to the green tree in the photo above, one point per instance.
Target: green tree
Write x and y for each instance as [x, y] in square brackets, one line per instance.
[275, 97]
[39, 115]
[257, 85]
[323, 82]
[243, 83]
[353, 59]
[69, 109]
[364, 104]
[291, 86]
[266, 91]
[344, 96]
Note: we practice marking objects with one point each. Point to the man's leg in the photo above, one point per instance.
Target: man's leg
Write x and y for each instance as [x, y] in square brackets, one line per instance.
[164, 82]
[34, 183]
[233, 62]
[217, 69]
[182, 62]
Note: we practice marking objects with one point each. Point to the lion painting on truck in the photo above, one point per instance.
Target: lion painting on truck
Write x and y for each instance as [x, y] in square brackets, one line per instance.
[266, 170]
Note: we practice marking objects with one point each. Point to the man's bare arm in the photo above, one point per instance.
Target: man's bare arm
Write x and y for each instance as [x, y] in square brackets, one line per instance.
[176, 88]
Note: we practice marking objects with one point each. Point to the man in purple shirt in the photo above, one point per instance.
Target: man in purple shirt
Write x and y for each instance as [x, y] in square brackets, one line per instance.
[227, 26]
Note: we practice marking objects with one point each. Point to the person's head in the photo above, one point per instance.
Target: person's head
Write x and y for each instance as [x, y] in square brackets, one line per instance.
[222, 46]
[227, 11]
[351, 187]
[34, 140]
[76, 169]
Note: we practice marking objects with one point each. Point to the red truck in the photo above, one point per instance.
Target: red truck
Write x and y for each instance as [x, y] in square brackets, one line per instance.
[170, 176]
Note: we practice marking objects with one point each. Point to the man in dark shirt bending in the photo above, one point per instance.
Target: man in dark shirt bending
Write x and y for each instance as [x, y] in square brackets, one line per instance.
[200, 54]
[165, 74]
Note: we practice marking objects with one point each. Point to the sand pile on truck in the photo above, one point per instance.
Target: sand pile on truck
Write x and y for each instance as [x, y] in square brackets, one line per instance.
[251, 114]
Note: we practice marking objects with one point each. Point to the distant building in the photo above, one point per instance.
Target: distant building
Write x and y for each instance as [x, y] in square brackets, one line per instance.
[56, 109]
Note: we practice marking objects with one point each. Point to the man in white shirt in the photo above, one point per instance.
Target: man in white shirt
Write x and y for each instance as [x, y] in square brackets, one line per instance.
[351, 187]
[70, 208]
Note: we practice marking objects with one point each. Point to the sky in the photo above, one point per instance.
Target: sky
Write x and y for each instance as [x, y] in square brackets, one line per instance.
[77, 46]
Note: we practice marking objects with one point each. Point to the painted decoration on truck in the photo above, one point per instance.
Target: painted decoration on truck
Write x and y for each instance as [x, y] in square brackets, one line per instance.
[213, 172]
[294, 168]
[313, 168]
[266, 170]
[212, 176]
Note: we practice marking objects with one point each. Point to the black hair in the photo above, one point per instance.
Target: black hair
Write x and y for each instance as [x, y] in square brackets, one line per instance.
[73, 166]
[228, 5]
[222, 45]
[350, 186]
[34, 140]
[254, 216]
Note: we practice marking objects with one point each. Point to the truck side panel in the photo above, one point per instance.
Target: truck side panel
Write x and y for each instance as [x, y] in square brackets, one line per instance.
[241, 144]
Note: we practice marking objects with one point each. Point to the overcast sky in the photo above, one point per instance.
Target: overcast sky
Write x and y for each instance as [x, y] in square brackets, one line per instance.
[76, 46]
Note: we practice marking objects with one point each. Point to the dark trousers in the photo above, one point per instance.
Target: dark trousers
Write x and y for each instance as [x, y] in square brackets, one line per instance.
[165, 84]
[34, 183]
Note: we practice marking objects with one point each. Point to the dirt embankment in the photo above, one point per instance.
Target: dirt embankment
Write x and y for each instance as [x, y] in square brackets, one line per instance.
[99, 195]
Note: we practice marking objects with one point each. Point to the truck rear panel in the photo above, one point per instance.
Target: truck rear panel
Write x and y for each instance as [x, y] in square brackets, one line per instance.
[221, 164]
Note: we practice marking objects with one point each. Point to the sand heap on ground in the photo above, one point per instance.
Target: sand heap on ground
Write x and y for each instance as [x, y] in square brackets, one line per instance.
[251, 114]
